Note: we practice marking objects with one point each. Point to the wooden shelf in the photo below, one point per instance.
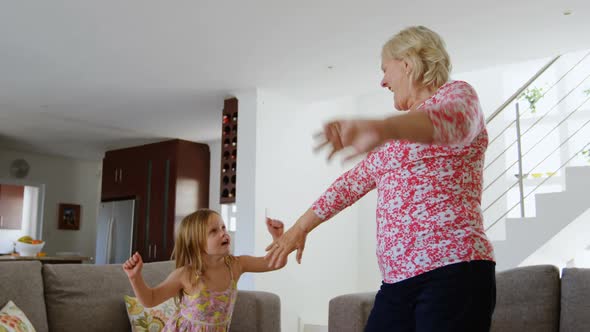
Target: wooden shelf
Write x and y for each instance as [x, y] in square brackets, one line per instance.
[229, 152]
[47, 259]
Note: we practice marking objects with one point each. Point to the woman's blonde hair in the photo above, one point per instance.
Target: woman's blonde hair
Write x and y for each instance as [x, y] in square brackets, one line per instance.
[191, 243]
[425, 50]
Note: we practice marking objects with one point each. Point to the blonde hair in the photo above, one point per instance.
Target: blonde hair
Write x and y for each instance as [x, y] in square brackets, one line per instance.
[425, 50]
[191, 243]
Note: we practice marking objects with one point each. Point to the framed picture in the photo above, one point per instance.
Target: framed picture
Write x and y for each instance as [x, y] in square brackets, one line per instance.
[69, 216]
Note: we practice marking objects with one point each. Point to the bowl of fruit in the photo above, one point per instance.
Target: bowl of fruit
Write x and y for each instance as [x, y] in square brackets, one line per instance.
[27, 246]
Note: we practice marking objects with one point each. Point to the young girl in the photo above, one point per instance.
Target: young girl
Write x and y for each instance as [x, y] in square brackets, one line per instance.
[205, 277]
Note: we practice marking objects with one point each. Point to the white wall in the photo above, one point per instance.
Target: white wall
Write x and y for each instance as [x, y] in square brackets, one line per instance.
[288, 178]
[214, 174]
[245, 237]
[66, 181]
[560, 220]
[566, 248]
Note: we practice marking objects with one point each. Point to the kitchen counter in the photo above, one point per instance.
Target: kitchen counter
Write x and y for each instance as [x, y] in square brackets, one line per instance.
[48, 259]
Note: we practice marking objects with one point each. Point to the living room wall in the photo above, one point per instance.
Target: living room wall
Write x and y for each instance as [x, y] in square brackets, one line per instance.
[279, 173]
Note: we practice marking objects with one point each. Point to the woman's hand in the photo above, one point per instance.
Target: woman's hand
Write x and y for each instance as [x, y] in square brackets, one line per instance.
[275, 227]
[278, 251]
[362, 135]
[133, 266]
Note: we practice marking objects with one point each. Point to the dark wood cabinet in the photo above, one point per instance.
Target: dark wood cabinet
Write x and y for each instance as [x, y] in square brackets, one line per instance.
[11, 206]
[122, 173]
[168, 180]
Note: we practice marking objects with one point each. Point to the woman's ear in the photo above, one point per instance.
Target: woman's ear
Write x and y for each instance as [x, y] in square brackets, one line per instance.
[407, 67]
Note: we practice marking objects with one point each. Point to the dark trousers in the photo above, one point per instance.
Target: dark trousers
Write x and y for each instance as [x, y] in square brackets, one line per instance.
[454, 298]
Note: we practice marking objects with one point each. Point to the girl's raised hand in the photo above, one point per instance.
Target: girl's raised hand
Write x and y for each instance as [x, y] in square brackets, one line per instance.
[133, 265]
[275, 227]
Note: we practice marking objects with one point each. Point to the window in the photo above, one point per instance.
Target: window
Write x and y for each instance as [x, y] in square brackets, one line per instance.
[229, 213]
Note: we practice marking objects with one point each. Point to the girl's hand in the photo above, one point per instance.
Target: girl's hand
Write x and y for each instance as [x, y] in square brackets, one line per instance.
[275, 227]
[133, 265]
[278, 251]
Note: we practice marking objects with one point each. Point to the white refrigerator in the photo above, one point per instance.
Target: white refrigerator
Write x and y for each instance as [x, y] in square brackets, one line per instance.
[114, 231]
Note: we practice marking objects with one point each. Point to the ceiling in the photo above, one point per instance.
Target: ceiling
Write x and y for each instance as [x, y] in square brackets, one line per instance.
[80, 77]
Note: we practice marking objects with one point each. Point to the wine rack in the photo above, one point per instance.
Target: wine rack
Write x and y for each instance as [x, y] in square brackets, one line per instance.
[229, 151]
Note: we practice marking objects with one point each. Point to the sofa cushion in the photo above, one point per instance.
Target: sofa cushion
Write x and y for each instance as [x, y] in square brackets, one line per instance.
[575, 300]
[21, 282]
[149, 319]
[527, 300]
[12, 319]
[82, 297]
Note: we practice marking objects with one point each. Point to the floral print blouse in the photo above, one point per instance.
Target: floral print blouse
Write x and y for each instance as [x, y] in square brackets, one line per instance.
[428, 195]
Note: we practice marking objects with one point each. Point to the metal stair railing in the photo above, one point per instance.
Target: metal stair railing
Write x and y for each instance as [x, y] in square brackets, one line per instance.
[520, 135]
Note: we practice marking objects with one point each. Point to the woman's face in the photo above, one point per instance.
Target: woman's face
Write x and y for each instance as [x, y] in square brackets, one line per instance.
[396, 79]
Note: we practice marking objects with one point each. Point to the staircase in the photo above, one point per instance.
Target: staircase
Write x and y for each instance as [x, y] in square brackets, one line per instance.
[536, 203]
[525, 236]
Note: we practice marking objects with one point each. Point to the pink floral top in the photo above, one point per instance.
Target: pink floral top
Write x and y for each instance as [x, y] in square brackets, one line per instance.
[429, 195]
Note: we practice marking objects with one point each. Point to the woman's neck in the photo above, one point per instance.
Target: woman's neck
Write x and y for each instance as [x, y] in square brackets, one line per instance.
[420, 95]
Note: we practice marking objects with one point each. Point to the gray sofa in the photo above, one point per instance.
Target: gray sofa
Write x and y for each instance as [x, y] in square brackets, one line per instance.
[82, 297]
[528, 299]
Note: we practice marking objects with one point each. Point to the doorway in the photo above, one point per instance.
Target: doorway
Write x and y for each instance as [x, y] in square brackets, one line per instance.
[21, 211]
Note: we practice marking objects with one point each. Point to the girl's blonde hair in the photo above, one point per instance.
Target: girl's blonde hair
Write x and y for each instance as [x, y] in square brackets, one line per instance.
[191, 243]
[425, 50]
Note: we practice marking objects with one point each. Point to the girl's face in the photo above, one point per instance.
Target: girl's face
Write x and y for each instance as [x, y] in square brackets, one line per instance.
[218, 240]
[396, 79]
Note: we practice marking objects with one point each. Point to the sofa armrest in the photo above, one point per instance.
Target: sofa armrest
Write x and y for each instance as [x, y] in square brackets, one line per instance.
[349, 313]
[256, 311]
[575, 300]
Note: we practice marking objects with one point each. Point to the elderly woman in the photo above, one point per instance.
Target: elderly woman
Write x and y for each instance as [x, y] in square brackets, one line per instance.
[437, 264]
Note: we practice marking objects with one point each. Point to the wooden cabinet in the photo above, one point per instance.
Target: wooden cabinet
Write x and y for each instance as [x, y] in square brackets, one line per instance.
[11, 206]
[122, 173]
[168, 180]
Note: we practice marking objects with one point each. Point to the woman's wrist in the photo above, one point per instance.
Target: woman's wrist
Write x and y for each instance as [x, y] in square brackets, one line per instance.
[304, 229]
[308, 221]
